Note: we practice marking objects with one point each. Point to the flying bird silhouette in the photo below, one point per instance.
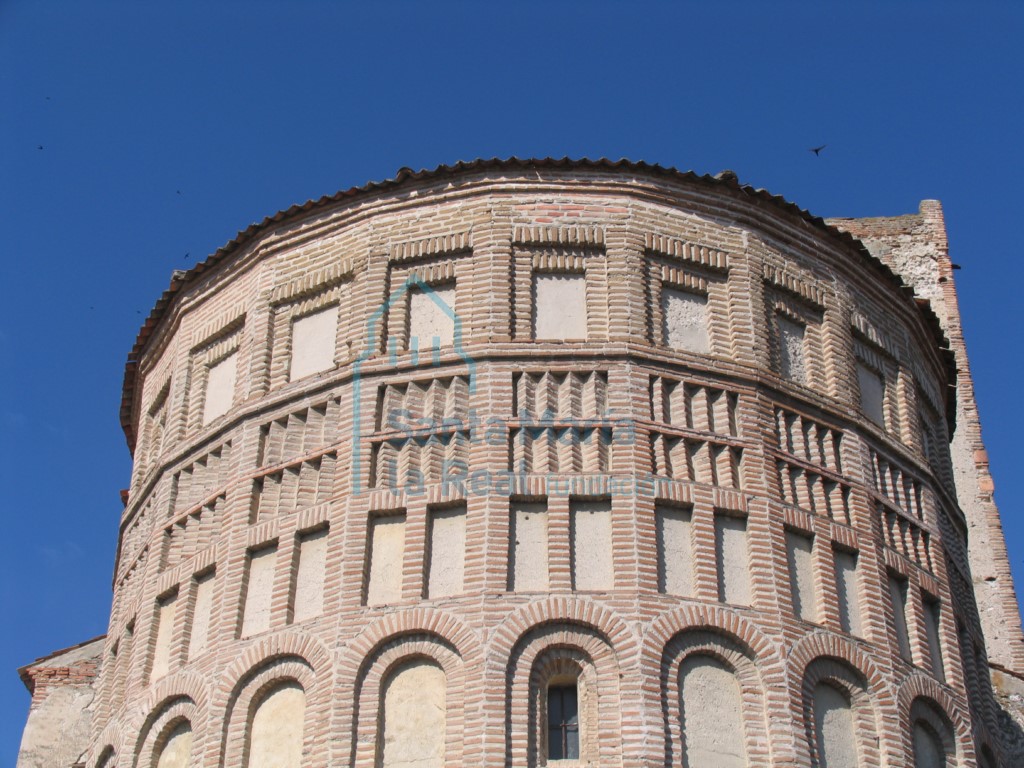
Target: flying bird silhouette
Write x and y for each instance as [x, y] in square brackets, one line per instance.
[39, 147]
[179, 191]
[817, 150]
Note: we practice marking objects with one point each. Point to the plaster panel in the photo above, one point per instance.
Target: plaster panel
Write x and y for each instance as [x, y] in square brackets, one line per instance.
[430, 317]
[309, 576]
[313, 342]
[675, 550]
[712, 715]
[164, 634]
[275, 739]
[413, 731]
[259, 591]
[801, 575]
[872, 394]
[928, 752]
[834, 729]
[529, 547]
[685, 320]
[592, 545]
[560, 310]
[932, 622]
[177, 750]
[200, 630]
[447, 551]
[898, 596]
[848, 591]
[792, 353]
[387, 547]
[220, 388]
[732, 557]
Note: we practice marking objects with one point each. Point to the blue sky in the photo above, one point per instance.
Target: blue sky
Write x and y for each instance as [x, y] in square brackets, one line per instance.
[167, 127]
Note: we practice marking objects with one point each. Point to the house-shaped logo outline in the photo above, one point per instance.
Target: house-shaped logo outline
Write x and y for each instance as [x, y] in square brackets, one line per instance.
[372, 348]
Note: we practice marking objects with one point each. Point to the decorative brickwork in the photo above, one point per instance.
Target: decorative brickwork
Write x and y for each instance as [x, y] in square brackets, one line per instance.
[661, 440]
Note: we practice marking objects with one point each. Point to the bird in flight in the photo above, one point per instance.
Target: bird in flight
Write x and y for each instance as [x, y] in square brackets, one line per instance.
[817, 150]
[179, 191]
[39, 147]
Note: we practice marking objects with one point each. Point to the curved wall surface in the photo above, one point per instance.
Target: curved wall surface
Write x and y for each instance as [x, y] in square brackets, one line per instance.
[516, 465]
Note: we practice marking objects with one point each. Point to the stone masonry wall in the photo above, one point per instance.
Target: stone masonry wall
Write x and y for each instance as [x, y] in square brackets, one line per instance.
[60, 715]
[916, 247]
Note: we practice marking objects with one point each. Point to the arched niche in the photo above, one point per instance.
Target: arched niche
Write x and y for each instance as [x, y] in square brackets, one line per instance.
[276, 726]
[711, 714]
[839, 716]
[712, 702]
[835, 738]
[174, 746]
[412, 716]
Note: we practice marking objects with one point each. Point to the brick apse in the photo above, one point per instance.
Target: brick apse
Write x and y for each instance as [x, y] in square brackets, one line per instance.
[574, 463]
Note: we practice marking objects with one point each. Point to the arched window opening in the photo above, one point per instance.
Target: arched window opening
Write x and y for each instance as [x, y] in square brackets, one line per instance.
[174, 748]
[411, 733]
[564, 709]
[931, 736]
[711, 706]
[276, 728]
[106, 758]
[928, 750]
[563, 719]
[835, 735]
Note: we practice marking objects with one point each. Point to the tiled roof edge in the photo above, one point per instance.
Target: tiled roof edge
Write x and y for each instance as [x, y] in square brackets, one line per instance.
[727, 180]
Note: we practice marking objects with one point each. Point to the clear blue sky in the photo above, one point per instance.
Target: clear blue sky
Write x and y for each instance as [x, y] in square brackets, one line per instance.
[248, 108]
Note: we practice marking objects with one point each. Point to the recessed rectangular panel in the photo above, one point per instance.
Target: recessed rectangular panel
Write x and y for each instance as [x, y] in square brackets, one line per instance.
[432, 317]
[792, 356]
[560, 311]
[932, 624]
[201, 614]
[872, 393]
[684, 320]
[848, 591]
[309, 577]
[220, 388]
[387, 549]
[447, 551]
[733, 559]
[529, 547]
[898, 596]
[592, 545]
[164, 634]
[799, 557]
[259, 591]
[675, 550]
[314, 338]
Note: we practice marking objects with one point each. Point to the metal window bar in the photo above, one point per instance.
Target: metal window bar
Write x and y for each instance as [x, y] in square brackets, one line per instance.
[563, 723]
